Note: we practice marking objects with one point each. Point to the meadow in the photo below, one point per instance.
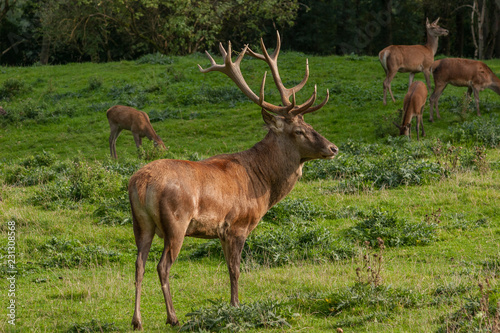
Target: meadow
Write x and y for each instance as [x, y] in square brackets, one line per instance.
[393, 235]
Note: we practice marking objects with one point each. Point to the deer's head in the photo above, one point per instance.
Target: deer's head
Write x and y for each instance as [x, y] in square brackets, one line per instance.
[434, 29]
[286, 121]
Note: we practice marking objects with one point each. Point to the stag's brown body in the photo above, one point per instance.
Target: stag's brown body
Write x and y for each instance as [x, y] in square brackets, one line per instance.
[474, 74]
[121, 118]
[411, 58]
[224, 196]
[413, 107]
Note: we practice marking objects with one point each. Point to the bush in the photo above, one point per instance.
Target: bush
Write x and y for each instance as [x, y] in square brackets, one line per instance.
[394, 231]
[93, 326]
[12, 87]
[223, 317]
[293, 210]
[71, 253]
[155, 59]
[282, 246]
[484, 130]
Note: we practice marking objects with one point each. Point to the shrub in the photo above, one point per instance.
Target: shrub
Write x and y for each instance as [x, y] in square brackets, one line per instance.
[223, 317]
[93, 326]
[71, 253]
[94, 83]
[12, 87]
[293, 209]
[378, 303]
[282, 246]
[155, 59]
[33, 170]
[484, 130]
[394, 231]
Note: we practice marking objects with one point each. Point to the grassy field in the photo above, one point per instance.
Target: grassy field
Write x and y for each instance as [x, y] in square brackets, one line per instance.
[315, 263]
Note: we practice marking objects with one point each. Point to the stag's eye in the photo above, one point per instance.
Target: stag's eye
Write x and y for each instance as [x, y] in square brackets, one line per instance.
[299, 132]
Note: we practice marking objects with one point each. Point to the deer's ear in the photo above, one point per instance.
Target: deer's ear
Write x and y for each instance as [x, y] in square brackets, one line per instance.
[427, 22]
[436, 22]
[275, 123]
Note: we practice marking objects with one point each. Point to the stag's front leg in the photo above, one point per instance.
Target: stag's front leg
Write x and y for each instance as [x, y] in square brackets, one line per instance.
[232, 247]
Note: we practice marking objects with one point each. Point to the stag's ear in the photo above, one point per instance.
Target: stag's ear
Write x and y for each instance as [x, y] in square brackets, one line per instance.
[436, 22]
[275, 123]
[427, 22]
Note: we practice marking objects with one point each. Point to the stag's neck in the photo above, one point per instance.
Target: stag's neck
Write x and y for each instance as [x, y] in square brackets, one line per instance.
[432, 43]
[273, 167]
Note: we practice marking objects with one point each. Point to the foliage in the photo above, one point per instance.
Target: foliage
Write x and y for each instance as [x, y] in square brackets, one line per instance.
[292, 210]
[12, 87]
[394, 231]
[370, 270]
[480, 313]
[286, 245]
[479, 131]
[367, 167]
[379, 303]
[93, 326]
[223, 317]
[71, 253]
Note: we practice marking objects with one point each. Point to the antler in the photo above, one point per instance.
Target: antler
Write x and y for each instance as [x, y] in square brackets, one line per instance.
[234, 72]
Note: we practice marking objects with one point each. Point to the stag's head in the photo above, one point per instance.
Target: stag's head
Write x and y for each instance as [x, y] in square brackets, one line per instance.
[287, 120]
[434, 29]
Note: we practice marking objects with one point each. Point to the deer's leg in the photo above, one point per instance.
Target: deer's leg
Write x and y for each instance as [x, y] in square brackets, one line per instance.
[476, 97]
[114, 133]
[232, 247]
[434, 100]
[173, 243]
[137, 139]
[412, 76]
[387, 85]
[421, 119]
[144, 233]
[427, 76]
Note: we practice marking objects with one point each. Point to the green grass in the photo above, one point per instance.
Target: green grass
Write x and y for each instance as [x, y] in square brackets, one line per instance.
[434, 202]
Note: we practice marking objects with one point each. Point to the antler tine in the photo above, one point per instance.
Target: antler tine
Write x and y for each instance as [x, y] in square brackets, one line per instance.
[233, 71]
[319, 106]
[272, 61]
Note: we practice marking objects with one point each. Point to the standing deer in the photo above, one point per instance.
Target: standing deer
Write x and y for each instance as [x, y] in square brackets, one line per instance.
[413, 106]
[224, 196]
[124, 117]
[474, 74]
[411, 58]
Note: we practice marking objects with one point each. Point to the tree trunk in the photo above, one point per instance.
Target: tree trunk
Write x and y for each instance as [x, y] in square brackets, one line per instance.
[45, 52]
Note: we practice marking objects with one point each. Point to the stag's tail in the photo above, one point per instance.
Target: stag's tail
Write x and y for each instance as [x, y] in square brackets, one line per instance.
[382, 56]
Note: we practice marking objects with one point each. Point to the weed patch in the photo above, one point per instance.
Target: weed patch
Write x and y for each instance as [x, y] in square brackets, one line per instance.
[286, 245]
[71, 253]
[93, 326]
[394, 231]
[483, 130]
[223, 317]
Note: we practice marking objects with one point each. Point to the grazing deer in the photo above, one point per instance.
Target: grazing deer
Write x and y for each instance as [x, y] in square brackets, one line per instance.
[224, 196]
[413, 106]
[474, 74]
[411, 58]
[124, 117]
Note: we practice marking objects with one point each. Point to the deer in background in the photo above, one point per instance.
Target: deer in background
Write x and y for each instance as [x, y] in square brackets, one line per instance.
[124, 117]
[413, 106]
[224, 196]
[411, 58]
[474, 74]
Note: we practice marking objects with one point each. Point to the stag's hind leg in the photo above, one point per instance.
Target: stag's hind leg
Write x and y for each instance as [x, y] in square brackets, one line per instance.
[144, 234]
[173, 243]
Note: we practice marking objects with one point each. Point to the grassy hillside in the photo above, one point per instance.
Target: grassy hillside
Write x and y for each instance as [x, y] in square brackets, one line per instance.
[315, 263]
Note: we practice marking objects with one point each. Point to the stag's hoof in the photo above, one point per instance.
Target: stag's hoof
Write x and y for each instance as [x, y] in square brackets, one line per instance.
[173, 322]
[137, 325]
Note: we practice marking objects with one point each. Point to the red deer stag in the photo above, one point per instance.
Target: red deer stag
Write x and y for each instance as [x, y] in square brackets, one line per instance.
[413, 106]
[124, 117]
[411, 58]
[224, 196]
[475, 75]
